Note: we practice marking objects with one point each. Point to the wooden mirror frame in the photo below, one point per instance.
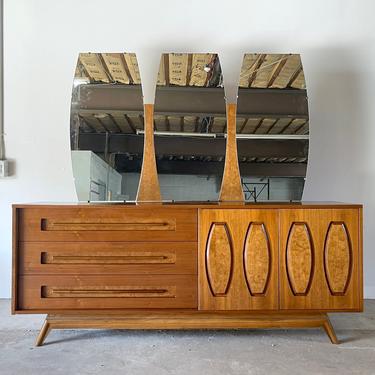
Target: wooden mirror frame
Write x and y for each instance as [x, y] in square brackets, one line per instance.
[149, 187]
[231, 187]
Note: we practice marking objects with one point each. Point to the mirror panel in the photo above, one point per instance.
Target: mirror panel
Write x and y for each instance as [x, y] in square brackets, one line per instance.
[106, 119]
[272, 127]
[189, 121]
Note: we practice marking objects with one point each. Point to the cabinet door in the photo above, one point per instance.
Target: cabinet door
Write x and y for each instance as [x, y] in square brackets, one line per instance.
[320, 259]
[238, 259]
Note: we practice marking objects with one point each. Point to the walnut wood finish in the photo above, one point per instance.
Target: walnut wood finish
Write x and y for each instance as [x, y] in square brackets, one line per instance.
[44, 331]
[299, 258]
[108, 223]
[149, 188]
[15, 258]
[253, 280]
[257, 258]
[319, 268]
[337, 258]
[79, 258]
[186, 320]
[271, 265]
[49, 292]
[231, 188]
[219, 258]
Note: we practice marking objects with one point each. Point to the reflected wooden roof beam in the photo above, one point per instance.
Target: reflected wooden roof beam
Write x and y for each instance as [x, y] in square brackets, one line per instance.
[276, 71]
[130, 123]
[257, 65]
[114, 64]
[94, 67]
[81, 118]
[200, 146]
[294, 77]
[200, 167]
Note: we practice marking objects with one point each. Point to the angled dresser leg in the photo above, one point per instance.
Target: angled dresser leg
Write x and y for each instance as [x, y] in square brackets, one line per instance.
[330, 331]
[44, 331]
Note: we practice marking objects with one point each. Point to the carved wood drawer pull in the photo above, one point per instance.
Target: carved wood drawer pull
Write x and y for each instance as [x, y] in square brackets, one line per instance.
[107, 225]
[109, 292]
[128, 258]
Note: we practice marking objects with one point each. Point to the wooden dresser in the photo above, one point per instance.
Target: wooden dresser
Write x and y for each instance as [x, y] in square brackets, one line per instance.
[183, 266]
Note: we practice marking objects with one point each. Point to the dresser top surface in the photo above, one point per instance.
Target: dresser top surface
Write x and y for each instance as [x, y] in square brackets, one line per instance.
[192, 204]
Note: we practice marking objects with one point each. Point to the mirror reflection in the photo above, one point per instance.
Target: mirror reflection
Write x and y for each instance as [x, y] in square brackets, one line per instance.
[272, 127]
[106, 118]
[107, 126]
[189, 125]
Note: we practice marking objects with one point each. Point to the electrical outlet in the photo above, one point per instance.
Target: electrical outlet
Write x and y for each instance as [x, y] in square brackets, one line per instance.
[4, 168]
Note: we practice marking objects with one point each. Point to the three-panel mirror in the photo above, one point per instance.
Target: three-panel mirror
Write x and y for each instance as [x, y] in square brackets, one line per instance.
[107, 127]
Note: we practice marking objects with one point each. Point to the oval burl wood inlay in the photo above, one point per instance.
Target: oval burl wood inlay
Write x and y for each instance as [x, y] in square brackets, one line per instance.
[257, 259]
[299, 259]
[219, 259]
[337, 258]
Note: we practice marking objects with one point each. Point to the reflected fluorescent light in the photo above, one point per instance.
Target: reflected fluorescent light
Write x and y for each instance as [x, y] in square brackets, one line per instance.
[80, 81]
[238, 136]
[100, 115]
[181, 134]
[270, 136]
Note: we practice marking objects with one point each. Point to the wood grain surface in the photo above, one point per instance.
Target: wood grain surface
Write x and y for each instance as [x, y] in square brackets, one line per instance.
[238, 295]
[149, 188]
[319, 295]
[231, 187]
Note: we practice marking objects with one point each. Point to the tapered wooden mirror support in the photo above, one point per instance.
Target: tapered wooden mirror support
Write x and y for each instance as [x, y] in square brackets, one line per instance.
[149, 188]
[231, 187]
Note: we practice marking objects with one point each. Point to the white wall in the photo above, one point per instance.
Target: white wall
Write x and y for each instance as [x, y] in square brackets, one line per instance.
[335, 37]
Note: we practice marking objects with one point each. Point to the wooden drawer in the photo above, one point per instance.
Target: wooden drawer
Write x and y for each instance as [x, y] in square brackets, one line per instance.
[111, 223]
[80, 258]
[47, 293]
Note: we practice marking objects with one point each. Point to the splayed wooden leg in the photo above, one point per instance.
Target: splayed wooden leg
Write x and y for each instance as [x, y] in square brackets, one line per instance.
[46, 327]
[187, 320]
[330, 331]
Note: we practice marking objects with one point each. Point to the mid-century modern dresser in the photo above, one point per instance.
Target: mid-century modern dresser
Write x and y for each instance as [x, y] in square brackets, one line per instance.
[187, 265]
[228, 263]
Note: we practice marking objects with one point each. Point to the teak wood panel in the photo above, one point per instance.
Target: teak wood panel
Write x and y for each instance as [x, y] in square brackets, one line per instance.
[107, 224]
[231, 187]
[51, 292]
[320, 259]
[149, 188]
[186, 320]
[79, 258]
[219, 258]
[257, 247]
[337, 258]
[246, 278]
[299, 258]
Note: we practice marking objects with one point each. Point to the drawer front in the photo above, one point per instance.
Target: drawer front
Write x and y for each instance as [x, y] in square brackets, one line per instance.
[107, 224]
[47, 293]
[80, 258]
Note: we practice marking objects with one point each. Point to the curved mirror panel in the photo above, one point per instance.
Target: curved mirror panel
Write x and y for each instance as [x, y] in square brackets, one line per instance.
[272, 127]
[106, 118]
[190, 120]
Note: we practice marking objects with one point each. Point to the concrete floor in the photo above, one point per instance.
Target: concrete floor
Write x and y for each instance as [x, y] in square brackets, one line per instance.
[188, 352]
